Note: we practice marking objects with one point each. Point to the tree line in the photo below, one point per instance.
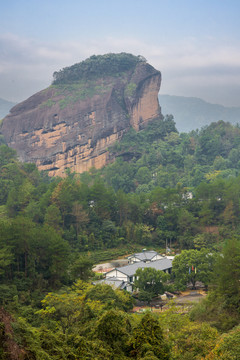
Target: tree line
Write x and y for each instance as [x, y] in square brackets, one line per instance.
[53, 229]
[48, 223]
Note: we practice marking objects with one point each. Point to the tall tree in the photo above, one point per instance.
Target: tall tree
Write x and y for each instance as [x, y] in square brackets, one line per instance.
[150, 282]
[227, 274]
[191, 266]
[147, 338]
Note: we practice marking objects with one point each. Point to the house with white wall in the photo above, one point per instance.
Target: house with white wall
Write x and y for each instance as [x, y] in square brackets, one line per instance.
[123, 277]
[127, 273]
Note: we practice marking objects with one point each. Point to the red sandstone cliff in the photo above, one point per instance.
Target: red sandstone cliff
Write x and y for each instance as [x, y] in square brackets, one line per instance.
[72, 125]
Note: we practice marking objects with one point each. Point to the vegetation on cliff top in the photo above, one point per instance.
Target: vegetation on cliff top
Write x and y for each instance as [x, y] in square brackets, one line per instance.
[97, 66]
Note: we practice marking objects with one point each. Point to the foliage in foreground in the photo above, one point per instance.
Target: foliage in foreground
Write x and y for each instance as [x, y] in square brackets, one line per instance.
[99, 329]
[93, 322]
[89, 322]
[222, 305]
[81, 322]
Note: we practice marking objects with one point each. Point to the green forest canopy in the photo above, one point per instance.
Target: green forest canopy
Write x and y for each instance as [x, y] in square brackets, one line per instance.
[142, 200]
[97, 66]
[53, 230]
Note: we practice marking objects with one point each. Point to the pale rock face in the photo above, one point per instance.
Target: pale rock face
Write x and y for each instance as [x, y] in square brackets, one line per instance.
[147, 106]
[57, 130]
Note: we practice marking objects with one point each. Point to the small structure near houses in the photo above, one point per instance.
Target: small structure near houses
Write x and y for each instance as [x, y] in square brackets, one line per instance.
[115, 283]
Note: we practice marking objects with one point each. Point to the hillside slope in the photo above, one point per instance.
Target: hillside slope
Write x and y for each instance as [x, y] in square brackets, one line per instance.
[192, 113]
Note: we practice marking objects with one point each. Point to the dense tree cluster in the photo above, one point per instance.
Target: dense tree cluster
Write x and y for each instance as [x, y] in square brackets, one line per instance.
[48, 225]
[87, 322]
[165, 189]
[97, 66]
[150, 283]
[160, 156]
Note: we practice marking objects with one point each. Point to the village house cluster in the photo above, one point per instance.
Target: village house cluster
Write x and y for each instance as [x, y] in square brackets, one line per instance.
[124, 277]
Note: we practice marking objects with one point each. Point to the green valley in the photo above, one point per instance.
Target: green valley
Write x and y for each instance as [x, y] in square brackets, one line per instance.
[164, 188]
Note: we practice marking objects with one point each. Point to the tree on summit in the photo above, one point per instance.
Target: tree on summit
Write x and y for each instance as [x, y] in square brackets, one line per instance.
[97, 66]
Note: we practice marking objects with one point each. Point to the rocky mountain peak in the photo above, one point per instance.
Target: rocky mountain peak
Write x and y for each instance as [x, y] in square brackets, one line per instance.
[87, 108]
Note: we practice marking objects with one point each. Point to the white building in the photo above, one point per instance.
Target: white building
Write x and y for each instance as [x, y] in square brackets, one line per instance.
[124, 277]
[127, 273]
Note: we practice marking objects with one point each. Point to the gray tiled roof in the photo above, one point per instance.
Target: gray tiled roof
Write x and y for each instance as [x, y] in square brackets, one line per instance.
[145, 255]
[130, 270]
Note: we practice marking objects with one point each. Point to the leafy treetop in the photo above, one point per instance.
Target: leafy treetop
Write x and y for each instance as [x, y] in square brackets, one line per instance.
[97, 66]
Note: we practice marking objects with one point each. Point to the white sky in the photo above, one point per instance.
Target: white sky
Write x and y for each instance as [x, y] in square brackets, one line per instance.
[195, 44]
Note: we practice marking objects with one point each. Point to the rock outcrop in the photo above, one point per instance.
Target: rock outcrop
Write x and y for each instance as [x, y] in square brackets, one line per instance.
[71, 124]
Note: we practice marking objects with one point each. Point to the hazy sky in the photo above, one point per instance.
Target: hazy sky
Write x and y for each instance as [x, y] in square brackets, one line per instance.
[194, 43]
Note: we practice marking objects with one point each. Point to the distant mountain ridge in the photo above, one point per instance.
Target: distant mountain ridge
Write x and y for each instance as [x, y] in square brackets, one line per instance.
[5, 107]
[192, 113]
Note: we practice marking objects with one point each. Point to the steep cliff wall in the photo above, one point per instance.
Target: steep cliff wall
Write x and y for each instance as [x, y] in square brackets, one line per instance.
[71, 124]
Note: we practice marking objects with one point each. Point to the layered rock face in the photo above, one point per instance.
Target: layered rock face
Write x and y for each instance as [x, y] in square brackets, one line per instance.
[72, 125]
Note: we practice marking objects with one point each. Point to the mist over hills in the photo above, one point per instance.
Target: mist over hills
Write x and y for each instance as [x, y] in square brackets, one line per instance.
[5, 107]
[192, 113]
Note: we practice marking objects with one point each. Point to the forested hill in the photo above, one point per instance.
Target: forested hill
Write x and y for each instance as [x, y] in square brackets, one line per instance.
[145, 197]
[193, 113]
[183, 190]
[160, 156]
